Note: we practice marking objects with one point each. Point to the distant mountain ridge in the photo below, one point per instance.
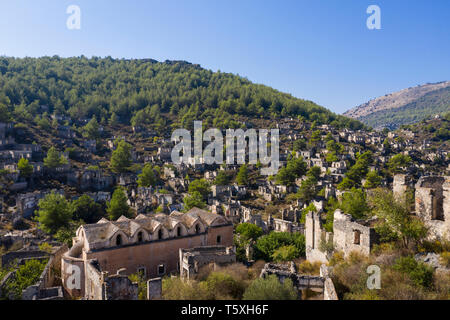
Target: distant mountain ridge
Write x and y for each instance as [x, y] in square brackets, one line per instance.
[404, 107]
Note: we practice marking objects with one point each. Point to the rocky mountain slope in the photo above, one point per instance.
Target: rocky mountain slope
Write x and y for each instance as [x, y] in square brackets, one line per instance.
[405, 106]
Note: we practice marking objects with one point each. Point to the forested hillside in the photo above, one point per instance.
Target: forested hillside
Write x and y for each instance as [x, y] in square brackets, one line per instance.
[143, 93]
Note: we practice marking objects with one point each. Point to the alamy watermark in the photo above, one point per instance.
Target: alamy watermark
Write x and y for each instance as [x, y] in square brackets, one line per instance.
[73, 281]
[374, 280]
[74, 20]
[258, 146]
[374, 20]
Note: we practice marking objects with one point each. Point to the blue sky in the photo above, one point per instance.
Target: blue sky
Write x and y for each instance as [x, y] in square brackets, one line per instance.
[317, 50]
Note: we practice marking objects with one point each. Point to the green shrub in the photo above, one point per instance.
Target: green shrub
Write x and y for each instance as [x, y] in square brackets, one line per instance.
[270, 289]
[418, 272]
[285, 253]
[223, 286]
[249, 231]
[177, 289]
[266, 245]
[25, 276]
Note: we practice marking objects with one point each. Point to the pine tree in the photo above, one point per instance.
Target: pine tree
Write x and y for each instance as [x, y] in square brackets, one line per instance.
[54, 213]
[373, 180]
[242, 176]
[53, 159]
[121, 157]
[25, 168]
[4, 113]
[114, 120]
[194, 199]
[148, 177]
[118, 205]
[91, 130]
[221, 179]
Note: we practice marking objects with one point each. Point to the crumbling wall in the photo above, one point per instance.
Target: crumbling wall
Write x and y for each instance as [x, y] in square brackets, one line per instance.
[119, 287]
[10, 257]
[93, 281]
[101, 286]
[192, 259]
[154, 289]
[48, 283]
[329, 291]
[350, 235]
[299, 281]
[315, 233]
[401, 184]
[73, 271]
[432, 204]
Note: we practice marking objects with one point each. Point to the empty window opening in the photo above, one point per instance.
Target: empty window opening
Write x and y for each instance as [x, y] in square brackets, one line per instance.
[357, 236]
[161, 269]
[119, 240]
[437, 209]
[142, 272]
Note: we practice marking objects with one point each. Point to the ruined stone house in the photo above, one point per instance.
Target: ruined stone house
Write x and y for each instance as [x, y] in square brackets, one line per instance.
[192, 259]
[353, 235]
[100, 285]
[319, 283]
[90, 179]
[314, 235]
[348, 235]
[432, 204]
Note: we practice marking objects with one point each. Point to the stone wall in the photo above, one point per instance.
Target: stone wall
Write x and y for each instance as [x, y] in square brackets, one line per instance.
[10, 257]
[73, 271]
[119, 287]
[93, 281]
[322, 283]
[192, 259]
[48, 286]
[9, 275]
[315, 233]
[101, 286]
[329, 291]
[432, 204]
[154, 289]
[401, 184]
[350, 235]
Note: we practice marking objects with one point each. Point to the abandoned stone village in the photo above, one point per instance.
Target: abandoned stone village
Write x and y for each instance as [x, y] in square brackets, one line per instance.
[171, 227]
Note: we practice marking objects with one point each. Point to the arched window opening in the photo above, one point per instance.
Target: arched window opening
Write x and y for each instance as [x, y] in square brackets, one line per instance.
[140, 237]
[197, 228]
[119, 240]
[160, 234]
[178, 231]
[219, 239]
